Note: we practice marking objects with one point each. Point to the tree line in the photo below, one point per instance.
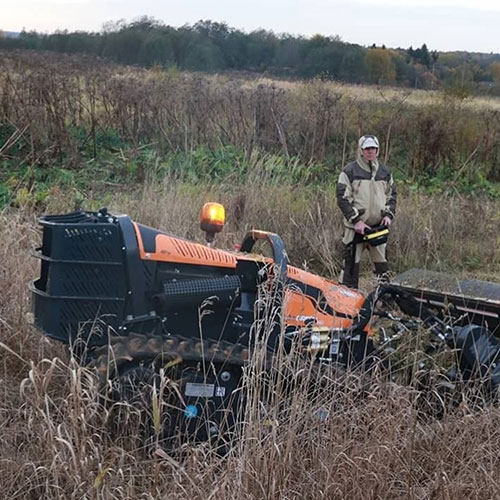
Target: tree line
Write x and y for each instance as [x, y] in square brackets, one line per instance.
[214, 47]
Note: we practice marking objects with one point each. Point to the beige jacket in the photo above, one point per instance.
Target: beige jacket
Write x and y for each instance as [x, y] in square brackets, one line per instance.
[366, 192]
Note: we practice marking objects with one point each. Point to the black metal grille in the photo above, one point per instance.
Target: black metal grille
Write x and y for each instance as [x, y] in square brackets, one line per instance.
[186, 293]
[210, 286]
[93, 242]
[83, 279]
[66, 318]
[96, 242]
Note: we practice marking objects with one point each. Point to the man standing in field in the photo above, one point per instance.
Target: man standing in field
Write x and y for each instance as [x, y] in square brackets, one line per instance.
[366, 195]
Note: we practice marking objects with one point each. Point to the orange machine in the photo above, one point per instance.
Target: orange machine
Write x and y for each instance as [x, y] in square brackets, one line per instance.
[133, 302]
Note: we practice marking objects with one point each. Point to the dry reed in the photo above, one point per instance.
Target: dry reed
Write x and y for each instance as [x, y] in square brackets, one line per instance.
[348, 441]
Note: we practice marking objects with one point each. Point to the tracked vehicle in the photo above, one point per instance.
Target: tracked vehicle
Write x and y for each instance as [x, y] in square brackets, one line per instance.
[131, 301]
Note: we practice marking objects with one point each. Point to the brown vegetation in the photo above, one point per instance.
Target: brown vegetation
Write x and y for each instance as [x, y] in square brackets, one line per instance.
[58, 106]
[440, 233]
[373, 444]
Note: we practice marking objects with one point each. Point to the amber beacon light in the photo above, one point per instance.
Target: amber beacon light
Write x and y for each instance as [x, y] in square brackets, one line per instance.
[212, 219]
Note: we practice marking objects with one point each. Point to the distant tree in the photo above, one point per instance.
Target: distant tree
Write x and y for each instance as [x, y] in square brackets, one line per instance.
[156, 49]
[404, 71]
[235, 50]
[353, 64]
[262, 46]
[113, 26]
[494, 70]
[30, 39]
[421, 55]
[182, 41]
[380, 65]
[215, 46]
[230, 43]
[318, 41]
[410, 54]
[288, 53]
[204, 57]
[425, 57]
[324, 56]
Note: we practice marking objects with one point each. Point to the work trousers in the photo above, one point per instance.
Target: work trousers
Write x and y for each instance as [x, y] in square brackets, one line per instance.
[352, 257]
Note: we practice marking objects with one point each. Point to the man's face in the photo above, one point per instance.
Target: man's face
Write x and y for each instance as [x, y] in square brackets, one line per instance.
[369, 154]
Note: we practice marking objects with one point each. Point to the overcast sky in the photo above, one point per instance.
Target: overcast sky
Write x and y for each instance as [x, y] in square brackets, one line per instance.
[471, 25]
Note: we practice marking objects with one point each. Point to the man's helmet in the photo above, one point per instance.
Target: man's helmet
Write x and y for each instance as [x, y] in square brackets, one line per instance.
[368, 141]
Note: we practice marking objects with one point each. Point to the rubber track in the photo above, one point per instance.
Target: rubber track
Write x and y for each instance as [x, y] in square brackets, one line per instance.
[135, 347]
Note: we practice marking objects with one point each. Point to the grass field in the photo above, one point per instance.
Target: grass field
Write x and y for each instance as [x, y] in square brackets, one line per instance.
[389, 95]
[159, 146]
[56, 434]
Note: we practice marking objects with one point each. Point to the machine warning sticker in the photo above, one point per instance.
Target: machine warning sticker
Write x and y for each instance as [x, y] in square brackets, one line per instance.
[199, 390]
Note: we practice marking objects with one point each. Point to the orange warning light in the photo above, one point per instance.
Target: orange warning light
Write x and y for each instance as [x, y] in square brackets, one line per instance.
[212, 219]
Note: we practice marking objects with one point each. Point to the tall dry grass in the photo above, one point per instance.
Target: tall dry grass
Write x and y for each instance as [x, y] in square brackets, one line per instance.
[54, 107]
[386, 94]
[452, 233]
[348, 441]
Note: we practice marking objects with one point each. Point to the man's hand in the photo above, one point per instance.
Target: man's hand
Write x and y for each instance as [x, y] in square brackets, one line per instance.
[360, 227]
[386, 221]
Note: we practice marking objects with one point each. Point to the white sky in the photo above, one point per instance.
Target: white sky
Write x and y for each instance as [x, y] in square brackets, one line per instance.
[471, 25]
